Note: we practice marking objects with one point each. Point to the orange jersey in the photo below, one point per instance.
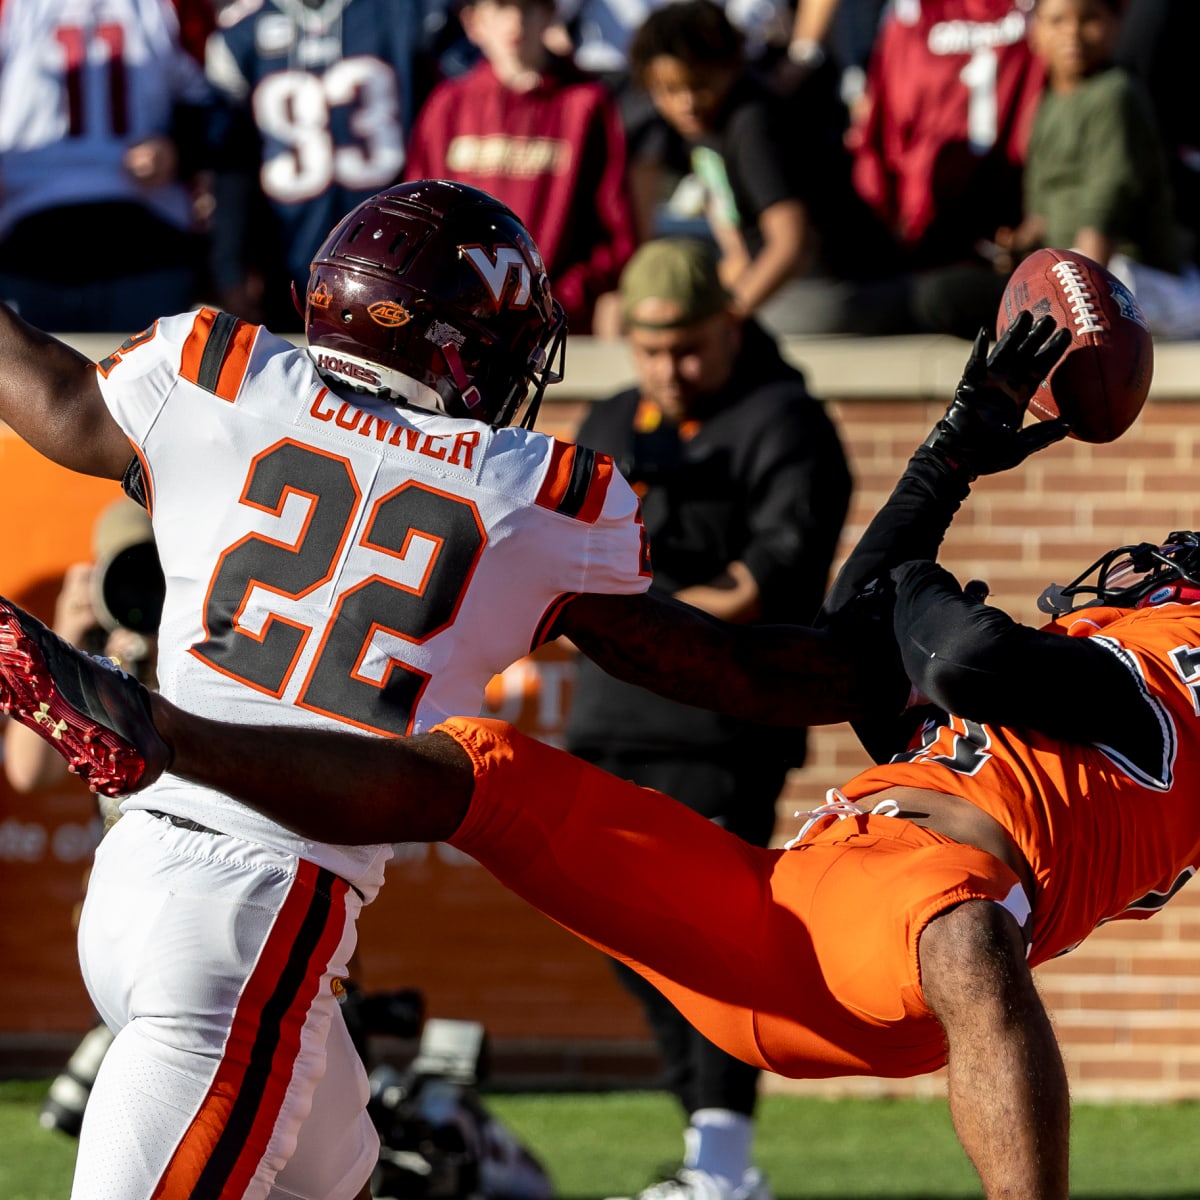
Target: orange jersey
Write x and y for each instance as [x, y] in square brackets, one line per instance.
[1106, 838]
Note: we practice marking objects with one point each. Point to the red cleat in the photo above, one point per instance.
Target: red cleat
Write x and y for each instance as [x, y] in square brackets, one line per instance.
[94, 714]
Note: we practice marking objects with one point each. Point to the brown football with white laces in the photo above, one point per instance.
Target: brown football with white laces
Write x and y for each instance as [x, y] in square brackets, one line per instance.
[1102, 381]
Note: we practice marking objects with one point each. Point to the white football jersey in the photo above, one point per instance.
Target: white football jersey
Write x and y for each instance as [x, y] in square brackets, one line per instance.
[335, 560]
[80, 82]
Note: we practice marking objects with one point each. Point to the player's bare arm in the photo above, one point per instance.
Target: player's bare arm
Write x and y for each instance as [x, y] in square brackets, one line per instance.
[1006, 1069]
[785, 675]
[773, 674]
[421, 786]
[50, 397]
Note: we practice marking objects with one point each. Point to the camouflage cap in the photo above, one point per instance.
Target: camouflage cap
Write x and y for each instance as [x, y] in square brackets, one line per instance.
[671, 282]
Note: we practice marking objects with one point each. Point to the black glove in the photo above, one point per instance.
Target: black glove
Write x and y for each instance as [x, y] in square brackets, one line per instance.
[981, 432]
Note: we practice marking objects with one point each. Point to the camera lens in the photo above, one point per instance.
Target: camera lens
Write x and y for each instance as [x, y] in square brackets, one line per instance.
[130, 589]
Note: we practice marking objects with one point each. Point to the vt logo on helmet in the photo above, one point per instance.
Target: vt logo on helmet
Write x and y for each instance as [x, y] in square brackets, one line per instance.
[496, 270]
[434, 294]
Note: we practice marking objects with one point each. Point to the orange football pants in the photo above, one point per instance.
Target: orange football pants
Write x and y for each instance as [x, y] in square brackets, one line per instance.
[801, 961]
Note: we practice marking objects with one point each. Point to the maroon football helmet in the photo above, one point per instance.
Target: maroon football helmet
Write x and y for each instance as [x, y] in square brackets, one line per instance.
[434, 294]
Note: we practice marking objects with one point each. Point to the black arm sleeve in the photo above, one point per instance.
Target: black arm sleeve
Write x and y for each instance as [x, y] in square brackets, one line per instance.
[976, 661]
[911, 525]
[858, 610]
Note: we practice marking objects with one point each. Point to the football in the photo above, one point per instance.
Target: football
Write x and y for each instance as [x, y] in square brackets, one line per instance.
[1101, 382]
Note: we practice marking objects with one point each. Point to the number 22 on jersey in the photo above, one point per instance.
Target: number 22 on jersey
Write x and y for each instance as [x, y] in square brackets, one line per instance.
[430, 541]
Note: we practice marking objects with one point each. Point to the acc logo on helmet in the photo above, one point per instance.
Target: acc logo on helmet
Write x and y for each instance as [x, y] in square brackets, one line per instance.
[389, 312]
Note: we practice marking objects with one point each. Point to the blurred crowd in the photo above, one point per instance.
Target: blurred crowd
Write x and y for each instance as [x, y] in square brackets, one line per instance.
[862, 166]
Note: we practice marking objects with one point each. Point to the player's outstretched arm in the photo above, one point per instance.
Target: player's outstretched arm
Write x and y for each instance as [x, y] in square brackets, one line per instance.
[786, 675]
[50, 397]
[976, 661]
[342, 787]
[980, 433]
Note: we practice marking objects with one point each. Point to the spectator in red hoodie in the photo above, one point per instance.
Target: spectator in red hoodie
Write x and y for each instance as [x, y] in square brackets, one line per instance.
[533, 130]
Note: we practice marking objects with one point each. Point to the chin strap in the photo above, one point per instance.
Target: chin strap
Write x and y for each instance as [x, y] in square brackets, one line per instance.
[469, 392]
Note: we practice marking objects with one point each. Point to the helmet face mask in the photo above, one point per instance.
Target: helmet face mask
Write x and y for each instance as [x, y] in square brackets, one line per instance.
[1134, 576]
[434, 294]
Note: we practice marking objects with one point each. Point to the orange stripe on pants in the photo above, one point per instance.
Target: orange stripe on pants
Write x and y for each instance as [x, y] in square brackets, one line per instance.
[218, 1155]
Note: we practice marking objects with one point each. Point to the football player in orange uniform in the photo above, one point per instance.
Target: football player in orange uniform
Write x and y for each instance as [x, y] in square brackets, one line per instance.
[896, 932]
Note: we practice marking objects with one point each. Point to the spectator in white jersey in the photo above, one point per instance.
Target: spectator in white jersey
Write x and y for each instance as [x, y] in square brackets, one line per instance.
[103, 122]
[358, 533]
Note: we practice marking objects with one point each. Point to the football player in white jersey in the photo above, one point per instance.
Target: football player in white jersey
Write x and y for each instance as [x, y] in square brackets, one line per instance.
[355, 534]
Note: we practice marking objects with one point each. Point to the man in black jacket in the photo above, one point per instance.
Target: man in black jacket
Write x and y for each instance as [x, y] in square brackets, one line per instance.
[744, 488]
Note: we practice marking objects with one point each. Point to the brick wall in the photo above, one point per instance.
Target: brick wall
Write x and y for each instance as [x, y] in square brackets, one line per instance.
[1126, 1005]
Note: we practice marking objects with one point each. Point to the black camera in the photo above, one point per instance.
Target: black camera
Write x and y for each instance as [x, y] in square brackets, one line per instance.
[398, 1014]
[438, 1141]
[68, 1095]
[129, 589]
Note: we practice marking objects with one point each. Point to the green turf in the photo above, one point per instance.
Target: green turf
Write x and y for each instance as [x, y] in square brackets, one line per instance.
[852, 1149]
[603, 1145]
[34, 1164]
